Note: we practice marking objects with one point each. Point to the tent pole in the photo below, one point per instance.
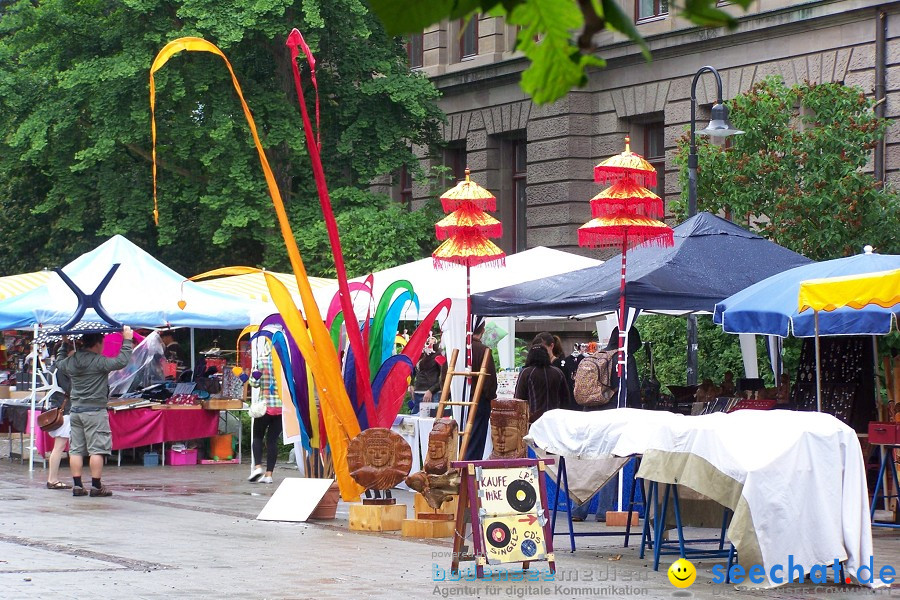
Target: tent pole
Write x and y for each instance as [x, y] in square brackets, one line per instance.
[818, 364]
[878, 405]
[193, 352]
[34, 367]
[620, 364]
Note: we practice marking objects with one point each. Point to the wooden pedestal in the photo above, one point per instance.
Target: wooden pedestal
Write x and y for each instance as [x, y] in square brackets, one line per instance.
[428, 528]
[377, 517]
[615, 518]
[421, 506]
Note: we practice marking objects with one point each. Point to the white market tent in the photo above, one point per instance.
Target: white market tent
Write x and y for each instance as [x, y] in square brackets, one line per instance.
[434, 285]
[142, 293]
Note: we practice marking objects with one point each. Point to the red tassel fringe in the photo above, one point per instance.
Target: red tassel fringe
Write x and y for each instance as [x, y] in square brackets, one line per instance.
[646, 179]
[648, 207]
[488, 231]
[449, 205]
[635, 236]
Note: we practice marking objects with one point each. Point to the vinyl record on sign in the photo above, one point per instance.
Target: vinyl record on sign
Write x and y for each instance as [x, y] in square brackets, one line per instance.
[521, 495]
[498, 535]
[529, 548]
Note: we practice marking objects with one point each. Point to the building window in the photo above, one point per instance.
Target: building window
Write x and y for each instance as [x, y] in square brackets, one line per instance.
[650, 9]
[415, 50]
[455, 159]
[406, 187]
[519, 186]
[655, 153]
[468, 39]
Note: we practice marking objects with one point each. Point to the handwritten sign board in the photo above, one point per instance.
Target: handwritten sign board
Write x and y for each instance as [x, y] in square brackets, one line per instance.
[506, 502]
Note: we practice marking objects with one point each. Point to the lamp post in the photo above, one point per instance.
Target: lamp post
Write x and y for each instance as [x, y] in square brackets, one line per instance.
[719, 127]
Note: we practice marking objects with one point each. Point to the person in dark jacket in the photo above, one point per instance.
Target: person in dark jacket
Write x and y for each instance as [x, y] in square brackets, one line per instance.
[541, 384]
[632, 381]
[428, 376]
[89, 372]
[475, 447]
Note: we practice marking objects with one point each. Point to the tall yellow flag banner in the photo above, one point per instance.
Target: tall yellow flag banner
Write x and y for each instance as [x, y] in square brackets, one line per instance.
[311, 337]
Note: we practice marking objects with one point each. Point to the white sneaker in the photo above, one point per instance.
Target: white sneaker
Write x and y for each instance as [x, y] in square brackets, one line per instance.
[266, 479]
[255, 475]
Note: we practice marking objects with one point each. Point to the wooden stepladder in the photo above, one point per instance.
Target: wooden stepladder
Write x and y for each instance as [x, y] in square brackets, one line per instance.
[473, 404]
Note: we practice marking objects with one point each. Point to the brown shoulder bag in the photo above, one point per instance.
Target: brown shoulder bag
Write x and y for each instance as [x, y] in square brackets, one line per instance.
[53, 419]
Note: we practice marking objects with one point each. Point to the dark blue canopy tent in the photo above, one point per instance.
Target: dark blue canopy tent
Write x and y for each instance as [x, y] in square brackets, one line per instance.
[712, 259]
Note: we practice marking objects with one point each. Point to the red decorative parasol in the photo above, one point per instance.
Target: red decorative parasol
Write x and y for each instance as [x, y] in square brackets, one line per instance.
[465, 233]
[623, 217]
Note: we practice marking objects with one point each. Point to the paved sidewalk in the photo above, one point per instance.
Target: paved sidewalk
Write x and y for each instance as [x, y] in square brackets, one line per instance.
[190, 532]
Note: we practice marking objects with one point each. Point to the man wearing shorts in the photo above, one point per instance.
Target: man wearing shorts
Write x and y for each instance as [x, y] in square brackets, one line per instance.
[89, 370]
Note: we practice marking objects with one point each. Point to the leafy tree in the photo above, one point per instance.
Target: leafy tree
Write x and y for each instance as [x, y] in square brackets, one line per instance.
[559, 59]
[797, 174]
[75, 131]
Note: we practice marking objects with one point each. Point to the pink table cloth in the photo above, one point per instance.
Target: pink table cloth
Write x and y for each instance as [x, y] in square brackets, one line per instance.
[143, 426]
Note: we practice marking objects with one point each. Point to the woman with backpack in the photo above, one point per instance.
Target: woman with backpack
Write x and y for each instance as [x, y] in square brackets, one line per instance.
[543, 386]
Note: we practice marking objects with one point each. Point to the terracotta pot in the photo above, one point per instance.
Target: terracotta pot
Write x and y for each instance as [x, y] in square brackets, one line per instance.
[327, 506]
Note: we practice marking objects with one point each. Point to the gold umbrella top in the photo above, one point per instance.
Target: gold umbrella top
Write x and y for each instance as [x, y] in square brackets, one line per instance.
[626, 166]
[468, 192]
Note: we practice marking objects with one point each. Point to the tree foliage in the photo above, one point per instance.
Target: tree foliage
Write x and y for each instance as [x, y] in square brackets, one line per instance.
[717, 351]
[559, 60]
[798, 173]
[75, 129]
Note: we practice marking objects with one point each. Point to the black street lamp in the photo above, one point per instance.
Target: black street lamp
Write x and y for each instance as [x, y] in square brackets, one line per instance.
[719, 127]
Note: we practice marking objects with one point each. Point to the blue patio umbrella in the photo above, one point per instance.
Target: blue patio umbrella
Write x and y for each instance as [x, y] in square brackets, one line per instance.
[769, 307]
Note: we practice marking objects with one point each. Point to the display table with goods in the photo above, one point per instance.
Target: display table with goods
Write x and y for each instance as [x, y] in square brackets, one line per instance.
[784, 474]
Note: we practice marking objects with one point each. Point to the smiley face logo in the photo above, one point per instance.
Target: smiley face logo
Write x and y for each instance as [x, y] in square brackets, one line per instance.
[682, 573]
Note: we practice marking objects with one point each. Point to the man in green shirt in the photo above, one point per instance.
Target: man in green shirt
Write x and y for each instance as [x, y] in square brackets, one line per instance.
[89, 372]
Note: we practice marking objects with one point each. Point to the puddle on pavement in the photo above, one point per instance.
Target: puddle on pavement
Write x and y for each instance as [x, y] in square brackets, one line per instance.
[172, 490]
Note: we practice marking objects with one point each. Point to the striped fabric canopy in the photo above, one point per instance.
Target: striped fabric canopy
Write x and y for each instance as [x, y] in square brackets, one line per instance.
[253, 285]
[13, 285]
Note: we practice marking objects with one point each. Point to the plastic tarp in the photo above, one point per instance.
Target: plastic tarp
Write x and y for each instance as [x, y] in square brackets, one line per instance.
[142, 293]
[769, 467]
[770, 306]
[712, 258]
[855, 291]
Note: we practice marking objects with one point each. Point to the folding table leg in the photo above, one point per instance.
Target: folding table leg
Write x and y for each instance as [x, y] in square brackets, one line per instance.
[565, 478]
[677, 505]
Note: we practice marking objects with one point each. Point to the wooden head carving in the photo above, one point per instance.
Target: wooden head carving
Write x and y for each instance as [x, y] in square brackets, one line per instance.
[378, 459]
[441, 446]
[509, 424]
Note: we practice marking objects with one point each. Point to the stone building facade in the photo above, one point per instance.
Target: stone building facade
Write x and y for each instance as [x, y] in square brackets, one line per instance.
[538, 160]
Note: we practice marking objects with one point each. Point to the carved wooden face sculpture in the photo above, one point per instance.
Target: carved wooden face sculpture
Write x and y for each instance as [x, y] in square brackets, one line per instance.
[378, 459]
[509, 424]
[441, 446]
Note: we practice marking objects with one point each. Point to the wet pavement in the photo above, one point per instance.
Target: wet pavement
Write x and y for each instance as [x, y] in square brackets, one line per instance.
[191, 532]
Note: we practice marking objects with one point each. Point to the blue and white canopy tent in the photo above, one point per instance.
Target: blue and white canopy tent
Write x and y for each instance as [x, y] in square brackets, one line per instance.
[140, 291]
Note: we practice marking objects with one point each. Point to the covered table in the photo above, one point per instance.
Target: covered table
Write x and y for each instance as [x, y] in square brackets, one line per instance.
[144, 426]
[795, 480]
